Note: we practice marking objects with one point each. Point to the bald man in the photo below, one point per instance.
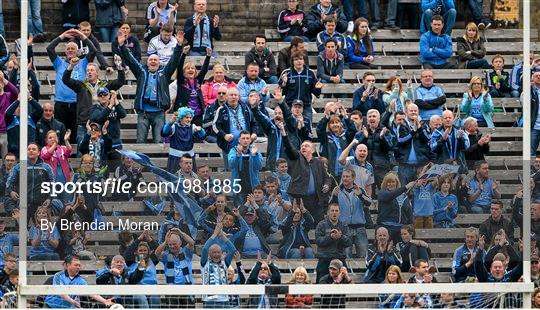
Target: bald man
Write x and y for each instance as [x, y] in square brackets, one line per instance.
[65, 99]
[364, 177]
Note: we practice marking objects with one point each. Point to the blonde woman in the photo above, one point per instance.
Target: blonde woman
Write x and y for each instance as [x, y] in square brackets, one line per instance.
[471, 50]
[395, 96]
[334, 139]
[394, 206]
[477, 103]
[299, 276]
[393, 276]
[211, 88]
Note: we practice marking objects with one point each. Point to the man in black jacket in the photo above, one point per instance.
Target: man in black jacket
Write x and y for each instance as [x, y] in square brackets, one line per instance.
[479, 143]
[314, 19]
[263, 56]
[535, 101]
[309, 178]
[264, 272]
[496, 222]
[48, 122]
[117, 274]
[337, 274]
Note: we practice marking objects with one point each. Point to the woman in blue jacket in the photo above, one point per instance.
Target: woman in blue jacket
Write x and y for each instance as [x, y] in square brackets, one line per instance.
[477, 103]
[360, 50]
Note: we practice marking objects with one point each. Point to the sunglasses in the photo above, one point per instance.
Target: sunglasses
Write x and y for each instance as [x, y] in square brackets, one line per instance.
[221, 93]
[103, 95]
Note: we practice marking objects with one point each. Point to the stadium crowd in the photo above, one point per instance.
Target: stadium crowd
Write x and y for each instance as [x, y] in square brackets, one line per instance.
[372, 167]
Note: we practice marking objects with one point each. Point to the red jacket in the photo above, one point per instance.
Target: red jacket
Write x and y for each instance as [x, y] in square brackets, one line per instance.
[210, 89]
[60, 156]
[298, 301]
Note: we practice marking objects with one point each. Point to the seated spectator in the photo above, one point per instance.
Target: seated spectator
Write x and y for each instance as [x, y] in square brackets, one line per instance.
[9, 259]
[516, 76]
[463, 260]
[330, 64]
[109, 16]
[4, 51]
[449, 142]
[234, 225]
[445, 9]
[471, 50]
[132, 43]
[495, 222]
[70, 276]
[477, 103]
[89, 172]
[360, 49]
[295, 229]
[57, 155]
[8, 94]
[186, 171]
[210, 111]
[116, 274]
[422, 276]
[411, 249]
[291, 22]
[445, 204]
[140, 256]
[309, 179]
[152, 97]
[317, 14]
[200, 31]
[380, 256]
[97, 143]
[77, 245]
[12, 120]
[535, 116]
[363, 170]
[395, 96]
[214, 266]
[212, 86]
[368, 96]
[9, 161]
[264, 273]
[163, 45]
[299, 276]
[498, 80]
[86, 29]
[284, 56]
[251, 82]
[394, 206]
[330, 33]
[332, 237]
[182, 134]
[43, 238]
[48, 123]
[262, 56]
[129, 177]
[393, 276]
[337, 274]
[379, 141]
[436, 47]
[430, 98]
[479, 143]
[158, 14]
[354, 205]
[334, 138]
[482, 189]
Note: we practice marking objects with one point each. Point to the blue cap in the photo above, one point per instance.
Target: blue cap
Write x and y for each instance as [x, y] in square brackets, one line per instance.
[102, 91]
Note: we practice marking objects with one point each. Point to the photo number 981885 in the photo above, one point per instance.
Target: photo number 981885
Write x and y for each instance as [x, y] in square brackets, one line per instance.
[212, 186]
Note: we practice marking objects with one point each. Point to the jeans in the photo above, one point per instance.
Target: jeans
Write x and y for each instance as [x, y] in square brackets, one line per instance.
[374, 5]
[391, 13]
[446, 65]
[295, 253]
[515, 94]
[2, 30]
[359, 242]
[477, 11]
[476, 209]
[147, 119]
[409, 15]
[271, 79]
[35, 25]
[108, 34]
[348, 9]
[449, 20]
[143, 302]
[478, 64]
[289, 38]
[535, 140]
[45, 256]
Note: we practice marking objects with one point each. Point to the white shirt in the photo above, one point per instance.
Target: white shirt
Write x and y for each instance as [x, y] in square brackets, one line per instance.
[162, 49]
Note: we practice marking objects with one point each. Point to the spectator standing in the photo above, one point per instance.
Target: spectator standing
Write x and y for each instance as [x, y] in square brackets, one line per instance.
[482, 189]
[332, 237]
[126, 173]
[132, 42]
[380, 256]
[445, 204]
[152, 95]
[109, 16]
[210, 112]
[368, 96]
[86, 29]
[298, 128]
[47, 123]
[284, 57]
[189, 86]
[43, 238]
[334, 139]
[443, 8]
[201, 31]
[435, 46]
[337, 274]
[56, 155]
[262, 56]
[495, 222]
[535, 116]
[362, 169]
[8, 94]
[35, 24]
[12, 119]
[264, 273]
[330, 64]
[245, 162]
[295, 230]
[429, 97]
[422, 201]
[360, 49]
[2, 30]
[163, 45]
[159, 14]
[211, 88]
[309, 179]
[471, 50]
[4, 50]
[449, 142]
[317, 14]
[291, 22]
[395, 209]
[74, 12]
[97, 143]
[479, 142]
[464, 256]
[516, 76]
[498, 80]
[66, 103]
[477, 103]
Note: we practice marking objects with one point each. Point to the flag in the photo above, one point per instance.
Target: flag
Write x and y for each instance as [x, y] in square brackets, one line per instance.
[438, 170]
[189, 209]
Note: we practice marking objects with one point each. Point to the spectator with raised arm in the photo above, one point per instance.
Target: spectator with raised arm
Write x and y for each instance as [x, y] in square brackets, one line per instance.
[152, 94]
[13, 123]
[295, 230]
[334, 139]
[318, 12]
[298, 128]
[66, 101]
[86, 29]
[395, 208]
[201, 31]
[297, 44]
[471, 50]
[163, 45]
[337, 274]
[262, 56]
[233, 224]
[360, 51]
[245, 162]
[291, 22]
[56, 155]
[436, 46]
[395, 97]
[380, 256]
[158, 14]
[429, 97]
[443, 8]
[8, 94]
[264, 273]
[363, 170]
[132, 42]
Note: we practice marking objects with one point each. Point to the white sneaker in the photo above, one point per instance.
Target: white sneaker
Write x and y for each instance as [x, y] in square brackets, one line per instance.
[350, 27]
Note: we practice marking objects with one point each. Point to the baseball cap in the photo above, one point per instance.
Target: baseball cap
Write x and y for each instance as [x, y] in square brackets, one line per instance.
[96, 124]
[249, 210]
[298, 102]
[336, 264]
[102, 91]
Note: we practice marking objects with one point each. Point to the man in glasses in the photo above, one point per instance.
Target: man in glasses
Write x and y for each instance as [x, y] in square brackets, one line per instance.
[210, 113]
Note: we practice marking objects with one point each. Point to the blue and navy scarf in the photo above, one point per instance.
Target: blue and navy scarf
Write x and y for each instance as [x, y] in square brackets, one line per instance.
[202, 39]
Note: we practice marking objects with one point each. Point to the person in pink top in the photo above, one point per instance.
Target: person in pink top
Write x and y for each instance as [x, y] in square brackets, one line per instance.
[57, 156]
[8, 94]
[211, 87]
